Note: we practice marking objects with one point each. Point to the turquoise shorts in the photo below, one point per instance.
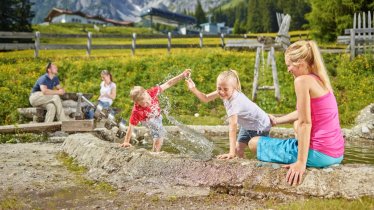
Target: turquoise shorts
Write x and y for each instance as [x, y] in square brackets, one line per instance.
[285, 151]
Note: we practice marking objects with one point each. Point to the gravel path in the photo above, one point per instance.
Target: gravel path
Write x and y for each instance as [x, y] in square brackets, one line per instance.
[33, 177]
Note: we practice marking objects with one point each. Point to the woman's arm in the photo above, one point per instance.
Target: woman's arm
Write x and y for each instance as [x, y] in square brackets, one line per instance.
[113, 93]
[289, 118]
[297, 169]
[233, 128]
[202, 96]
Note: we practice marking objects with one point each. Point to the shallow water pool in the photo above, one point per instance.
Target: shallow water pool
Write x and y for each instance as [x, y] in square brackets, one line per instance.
[356, 151]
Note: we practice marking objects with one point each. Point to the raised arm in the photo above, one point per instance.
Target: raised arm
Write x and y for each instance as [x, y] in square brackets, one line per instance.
[175, 79]
[202, 96]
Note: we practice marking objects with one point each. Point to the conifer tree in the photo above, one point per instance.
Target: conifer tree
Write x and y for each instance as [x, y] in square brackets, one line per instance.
[15, 15]
[200, 14]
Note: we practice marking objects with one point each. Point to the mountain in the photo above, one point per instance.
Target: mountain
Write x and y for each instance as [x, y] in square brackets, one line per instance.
[127, 10]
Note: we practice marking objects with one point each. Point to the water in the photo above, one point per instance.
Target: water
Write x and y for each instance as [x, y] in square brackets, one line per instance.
[360, 151]
[187, 141]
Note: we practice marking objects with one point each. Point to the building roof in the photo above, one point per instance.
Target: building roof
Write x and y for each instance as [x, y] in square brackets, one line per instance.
[57, 12]
[167, 17]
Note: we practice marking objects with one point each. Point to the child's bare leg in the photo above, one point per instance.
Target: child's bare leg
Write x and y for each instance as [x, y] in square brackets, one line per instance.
[157, 143]
[240, 147]
[252, 144]
[295, 128]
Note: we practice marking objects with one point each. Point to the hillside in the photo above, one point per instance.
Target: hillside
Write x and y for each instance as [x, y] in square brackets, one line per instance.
[127, 10]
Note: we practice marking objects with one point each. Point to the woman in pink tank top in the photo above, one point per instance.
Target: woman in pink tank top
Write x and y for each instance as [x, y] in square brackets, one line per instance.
[319, 140]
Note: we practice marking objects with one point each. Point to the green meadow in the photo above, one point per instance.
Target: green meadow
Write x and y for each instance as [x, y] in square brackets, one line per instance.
[353, 82]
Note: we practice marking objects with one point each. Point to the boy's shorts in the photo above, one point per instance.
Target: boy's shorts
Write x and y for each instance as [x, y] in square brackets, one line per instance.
[155, 126]
[245, 136]
[285, 151]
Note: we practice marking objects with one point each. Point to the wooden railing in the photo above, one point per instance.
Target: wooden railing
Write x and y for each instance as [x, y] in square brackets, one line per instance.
[36, 44]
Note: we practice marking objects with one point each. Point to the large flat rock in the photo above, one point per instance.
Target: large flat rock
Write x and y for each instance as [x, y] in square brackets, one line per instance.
[140, 170]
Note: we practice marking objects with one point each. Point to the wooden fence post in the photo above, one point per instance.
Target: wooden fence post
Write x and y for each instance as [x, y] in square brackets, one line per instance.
[133, 44]
[352, 43]
[37, 44]
[201, 40]
[275, 74]
[255, 79]
[89, 43]
[223, 40]
[169, 41]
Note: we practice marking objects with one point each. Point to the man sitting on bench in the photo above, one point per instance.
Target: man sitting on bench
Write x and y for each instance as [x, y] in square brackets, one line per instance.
[45, 93]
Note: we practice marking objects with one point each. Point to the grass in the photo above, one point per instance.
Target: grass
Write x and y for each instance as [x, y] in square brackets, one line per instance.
[326, 204]
[22, 138]
[74, 167]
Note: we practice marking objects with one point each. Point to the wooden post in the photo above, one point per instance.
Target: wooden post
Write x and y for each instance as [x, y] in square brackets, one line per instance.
[133, 44]
[78, 112]
[275, 74]
[352, 43]
[89, 43]
[223, 40]
[255, 79]
[201, 40]
[37, 44]
[169, 41]
[369, 24]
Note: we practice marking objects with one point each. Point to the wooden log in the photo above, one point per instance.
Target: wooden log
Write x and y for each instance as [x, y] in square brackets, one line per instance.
[31, 128]
[31, 112]
[77, 125]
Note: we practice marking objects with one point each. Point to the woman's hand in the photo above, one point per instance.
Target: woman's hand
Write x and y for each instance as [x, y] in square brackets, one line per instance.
[226, 156]
[273, 120]
[295, 173]
[190, 84]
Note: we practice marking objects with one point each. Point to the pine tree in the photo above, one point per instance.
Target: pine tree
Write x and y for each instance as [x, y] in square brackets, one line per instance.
[200, 14]
[15, 15]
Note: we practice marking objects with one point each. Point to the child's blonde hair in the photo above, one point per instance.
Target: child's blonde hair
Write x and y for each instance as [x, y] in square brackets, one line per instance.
[136, 93]
[230, 75]
[308, 51]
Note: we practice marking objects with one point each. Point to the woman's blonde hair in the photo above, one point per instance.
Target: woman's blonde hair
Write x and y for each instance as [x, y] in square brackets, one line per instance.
[308, 51]
[136, 93]
[231, 75]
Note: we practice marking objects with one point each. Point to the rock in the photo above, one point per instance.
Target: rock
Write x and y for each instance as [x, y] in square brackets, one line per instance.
[140, 171]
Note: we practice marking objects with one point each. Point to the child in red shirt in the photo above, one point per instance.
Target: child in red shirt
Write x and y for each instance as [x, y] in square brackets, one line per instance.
[147, 110]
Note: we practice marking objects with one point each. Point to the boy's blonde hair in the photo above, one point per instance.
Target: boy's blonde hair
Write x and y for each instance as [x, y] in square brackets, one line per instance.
[136, 93]
[308, 51]
[230, 75]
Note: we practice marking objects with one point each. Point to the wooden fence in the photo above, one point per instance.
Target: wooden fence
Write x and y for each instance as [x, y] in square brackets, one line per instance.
[361, 37]
[37, 45]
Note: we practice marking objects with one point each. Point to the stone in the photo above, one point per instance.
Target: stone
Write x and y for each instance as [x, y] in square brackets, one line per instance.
[139, 170]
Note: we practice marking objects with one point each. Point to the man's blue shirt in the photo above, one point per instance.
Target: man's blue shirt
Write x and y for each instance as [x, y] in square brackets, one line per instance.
[45, 80]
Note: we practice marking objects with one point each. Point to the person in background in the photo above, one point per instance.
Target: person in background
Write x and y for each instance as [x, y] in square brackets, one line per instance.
[46, 93]
[107, 93]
